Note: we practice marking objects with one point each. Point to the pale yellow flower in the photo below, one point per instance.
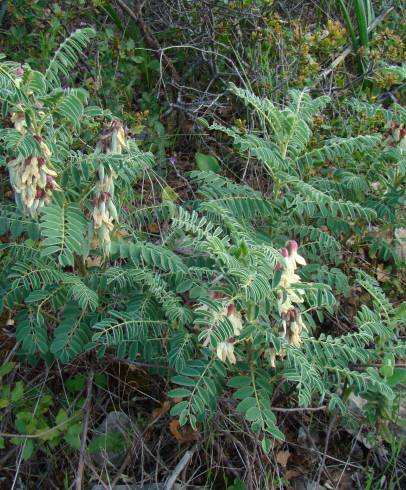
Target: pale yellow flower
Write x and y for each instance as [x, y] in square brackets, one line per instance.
[295, 335]
[225, 351]
[235, 318]
[18, 119]
[294, 255]
[272, 357]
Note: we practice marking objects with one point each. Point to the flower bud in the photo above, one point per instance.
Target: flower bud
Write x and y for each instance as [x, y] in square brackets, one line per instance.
[293, 246]
[231, 309]
[294, 314]
[40, 193]
[216, 294]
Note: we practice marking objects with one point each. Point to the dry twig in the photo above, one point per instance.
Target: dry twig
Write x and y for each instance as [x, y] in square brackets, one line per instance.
[81, 464]
[179, 467]
[148, 35]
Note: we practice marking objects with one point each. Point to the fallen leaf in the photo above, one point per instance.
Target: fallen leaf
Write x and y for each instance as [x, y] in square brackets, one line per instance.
[162, 410]
[182, 434]
[282, 458]
[121, 233]
[95, 261]
[291, 474]
[341, 479]
[381, 274]
[153, 227]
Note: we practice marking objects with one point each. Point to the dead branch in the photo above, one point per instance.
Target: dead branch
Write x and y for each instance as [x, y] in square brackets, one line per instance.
[179, 467]
[149, 37]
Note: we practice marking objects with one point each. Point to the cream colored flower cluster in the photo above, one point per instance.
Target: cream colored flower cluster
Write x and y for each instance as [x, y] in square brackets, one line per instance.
[396, 135]
[104, 211]
[225, 350]
[32, 178]
[289, 295]
[292, 320]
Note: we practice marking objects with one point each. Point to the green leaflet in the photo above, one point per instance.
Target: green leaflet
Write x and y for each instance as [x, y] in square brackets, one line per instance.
[64, 230]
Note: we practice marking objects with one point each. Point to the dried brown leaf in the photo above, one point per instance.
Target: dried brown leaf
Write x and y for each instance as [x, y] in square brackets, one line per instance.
[162, 410]
[182, 434]
[282, 458]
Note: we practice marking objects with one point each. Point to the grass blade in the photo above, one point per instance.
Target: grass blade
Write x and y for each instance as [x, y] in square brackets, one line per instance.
[349, 24]
[362, 22]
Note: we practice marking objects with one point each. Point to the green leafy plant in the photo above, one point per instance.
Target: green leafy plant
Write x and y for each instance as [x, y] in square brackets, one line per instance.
[216, 293]
[36, 417]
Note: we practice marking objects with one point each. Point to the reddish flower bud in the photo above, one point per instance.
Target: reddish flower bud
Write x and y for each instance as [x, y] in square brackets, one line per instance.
[285, 252]
[19, 72]
[40, 193]
[294, 314]
[231, 309]
[231, 340]
[293, 246]
[41, 161]
[402, 133]
[105, 196]
[38, 138]
[216, 294]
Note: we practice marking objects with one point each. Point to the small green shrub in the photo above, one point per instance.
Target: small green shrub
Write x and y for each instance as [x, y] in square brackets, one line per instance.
[216, 293]
[37, 418]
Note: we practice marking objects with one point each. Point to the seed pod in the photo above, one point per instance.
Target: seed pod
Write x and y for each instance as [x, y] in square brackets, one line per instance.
[100, 172]
[17, 181]
[112, 209]
[34, 207]
[102, 207]
[111, 189]
[19, 201]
